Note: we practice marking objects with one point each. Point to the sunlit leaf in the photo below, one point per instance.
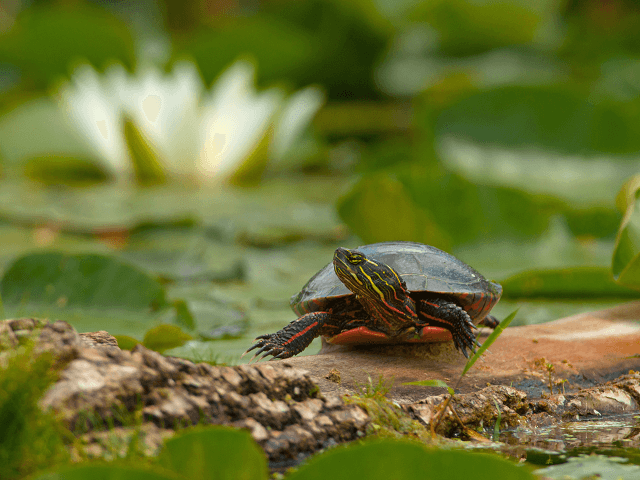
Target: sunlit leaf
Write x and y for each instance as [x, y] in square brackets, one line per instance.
[627, 195]
[125, 342]
[576, 282]
[400, 460]
[626, 255]
[215, 453]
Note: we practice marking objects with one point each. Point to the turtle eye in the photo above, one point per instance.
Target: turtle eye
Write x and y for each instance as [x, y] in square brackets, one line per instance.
[356, 258]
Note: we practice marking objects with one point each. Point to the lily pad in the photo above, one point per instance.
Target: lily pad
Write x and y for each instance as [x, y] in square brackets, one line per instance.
[107, 472]
[164, 337]
[214, 452]
[406, 460]
[576, 282]
[88, 290]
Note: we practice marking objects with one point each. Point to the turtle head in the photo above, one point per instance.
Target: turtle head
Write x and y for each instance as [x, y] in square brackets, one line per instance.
[368, 278]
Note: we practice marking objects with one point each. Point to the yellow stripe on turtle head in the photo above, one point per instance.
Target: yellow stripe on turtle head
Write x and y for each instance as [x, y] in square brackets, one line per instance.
[371, 283]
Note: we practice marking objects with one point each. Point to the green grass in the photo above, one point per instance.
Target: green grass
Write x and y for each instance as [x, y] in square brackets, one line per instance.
[29, 438]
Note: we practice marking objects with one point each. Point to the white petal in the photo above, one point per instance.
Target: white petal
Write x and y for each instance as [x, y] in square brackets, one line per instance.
[90, 107]
[295, 117]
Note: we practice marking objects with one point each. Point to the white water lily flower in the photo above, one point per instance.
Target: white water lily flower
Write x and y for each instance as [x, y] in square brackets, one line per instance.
[235, 119]
[295, 117]
[189, 132]
[88, 103]
[166, 110]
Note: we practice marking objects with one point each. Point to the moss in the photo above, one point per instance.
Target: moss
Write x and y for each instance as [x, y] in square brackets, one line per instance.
[388, 419]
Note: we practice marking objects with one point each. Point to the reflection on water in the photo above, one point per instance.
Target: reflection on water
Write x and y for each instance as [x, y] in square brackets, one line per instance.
[619, 431]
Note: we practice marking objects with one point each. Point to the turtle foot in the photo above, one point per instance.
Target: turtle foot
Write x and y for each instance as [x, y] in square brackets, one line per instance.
[291, 340]
[444, 314]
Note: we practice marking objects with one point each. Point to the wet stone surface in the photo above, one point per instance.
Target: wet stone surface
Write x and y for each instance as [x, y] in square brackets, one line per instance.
[100, 385]
[479, 410]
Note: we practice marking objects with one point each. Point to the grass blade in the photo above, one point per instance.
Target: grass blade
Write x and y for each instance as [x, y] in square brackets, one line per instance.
[492, 338]
[432, 383]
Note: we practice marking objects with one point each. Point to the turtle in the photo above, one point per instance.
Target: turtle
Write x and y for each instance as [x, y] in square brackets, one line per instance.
[390, 292]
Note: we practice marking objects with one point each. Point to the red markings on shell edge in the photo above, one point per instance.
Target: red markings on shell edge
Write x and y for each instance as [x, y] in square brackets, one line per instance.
[363, 336]
[302, 332]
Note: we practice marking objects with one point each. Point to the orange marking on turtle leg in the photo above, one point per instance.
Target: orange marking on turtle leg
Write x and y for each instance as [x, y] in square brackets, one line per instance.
[300, 333]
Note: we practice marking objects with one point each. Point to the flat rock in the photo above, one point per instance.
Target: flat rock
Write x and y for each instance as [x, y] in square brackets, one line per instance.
[583, 350]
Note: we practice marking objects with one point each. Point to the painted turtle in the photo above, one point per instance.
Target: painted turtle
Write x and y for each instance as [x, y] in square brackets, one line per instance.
[389, 292]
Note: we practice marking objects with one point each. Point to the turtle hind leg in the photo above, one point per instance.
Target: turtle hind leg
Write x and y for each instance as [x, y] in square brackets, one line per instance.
[490, 321]
[292, 339]
[442, 313]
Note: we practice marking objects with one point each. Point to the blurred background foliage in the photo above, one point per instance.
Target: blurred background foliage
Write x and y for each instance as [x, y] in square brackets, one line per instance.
[507, 133]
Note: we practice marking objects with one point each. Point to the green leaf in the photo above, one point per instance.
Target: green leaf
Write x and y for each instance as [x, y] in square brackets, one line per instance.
[490, 339]
[46, 40]
[576, 282]
[125, 342]
[626, 254]
[432, 383]
[164, 337]
[106, 472]
[627, 195]
[401, 459]
[219, 453]
[82, 280]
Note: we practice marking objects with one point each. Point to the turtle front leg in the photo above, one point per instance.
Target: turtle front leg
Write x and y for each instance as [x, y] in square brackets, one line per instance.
[292, 339]
[445, 314]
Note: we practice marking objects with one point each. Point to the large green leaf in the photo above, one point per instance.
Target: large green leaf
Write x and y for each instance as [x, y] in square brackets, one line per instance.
[382, 460]
[106, 472]
[216, 453]
[82, 280]
[45, 41]
[92, 292]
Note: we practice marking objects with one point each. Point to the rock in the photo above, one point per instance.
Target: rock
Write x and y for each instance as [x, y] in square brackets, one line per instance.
[583, 350]
[480, 409]
[100, 384]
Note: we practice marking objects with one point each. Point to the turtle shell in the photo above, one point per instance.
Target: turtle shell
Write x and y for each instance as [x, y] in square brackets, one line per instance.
[426, 271]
